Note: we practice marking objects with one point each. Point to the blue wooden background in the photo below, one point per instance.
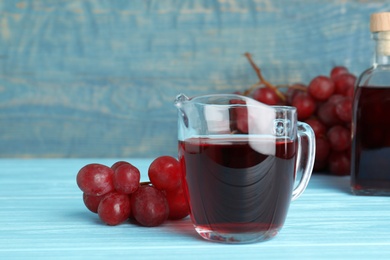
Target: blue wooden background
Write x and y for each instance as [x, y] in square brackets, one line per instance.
[98, 78]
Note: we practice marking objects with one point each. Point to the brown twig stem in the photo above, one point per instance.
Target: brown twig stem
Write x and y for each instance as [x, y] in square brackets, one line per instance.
[261, 78]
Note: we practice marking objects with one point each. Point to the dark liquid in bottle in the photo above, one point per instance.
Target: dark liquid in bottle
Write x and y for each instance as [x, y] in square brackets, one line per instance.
[237, 186]
[371, 142]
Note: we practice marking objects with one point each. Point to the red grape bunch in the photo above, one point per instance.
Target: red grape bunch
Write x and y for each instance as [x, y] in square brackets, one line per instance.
[116, 194]
[325, 104]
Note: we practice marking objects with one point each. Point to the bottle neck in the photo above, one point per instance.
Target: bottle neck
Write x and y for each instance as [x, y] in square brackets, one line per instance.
[382, 50]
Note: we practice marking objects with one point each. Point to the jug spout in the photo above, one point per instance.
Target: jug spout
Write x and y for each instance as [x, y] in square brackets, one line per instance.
[180, 102]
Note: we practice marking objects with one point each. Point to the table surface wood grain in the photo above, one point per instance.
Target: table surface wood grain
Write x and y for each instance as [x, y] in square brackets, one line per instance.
[42, 216]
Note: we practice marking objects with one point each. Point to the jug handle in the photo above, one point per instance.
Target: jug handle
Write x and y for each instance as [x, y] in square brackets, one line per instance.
[305, 157]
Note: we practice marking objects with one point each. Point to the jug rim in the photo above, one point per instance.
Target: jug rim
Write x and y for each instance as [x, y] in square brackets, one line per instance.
[231, 96]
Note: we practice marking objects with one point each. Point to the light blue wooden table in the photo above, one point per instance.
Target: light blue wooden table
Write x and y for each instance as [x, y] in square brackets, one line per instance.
[42, 216]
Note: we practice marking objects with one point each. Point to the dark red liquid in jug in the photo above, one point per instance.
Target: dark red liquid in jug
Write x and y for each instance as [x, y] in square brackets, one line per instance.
[237, 185]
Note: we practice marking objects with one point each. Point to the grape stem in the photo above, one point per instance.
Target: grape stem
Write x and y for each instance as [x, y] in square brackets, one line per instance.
[298, 87]
[261, 78]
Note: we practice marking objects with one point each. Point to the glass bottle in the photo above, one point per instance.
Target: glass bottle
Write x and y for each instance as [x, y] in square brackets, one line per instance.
[370, 156]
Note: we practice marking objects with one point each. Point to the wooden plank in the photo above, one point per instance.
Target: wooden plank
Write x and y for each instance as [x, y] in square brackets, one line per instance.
[97, 79]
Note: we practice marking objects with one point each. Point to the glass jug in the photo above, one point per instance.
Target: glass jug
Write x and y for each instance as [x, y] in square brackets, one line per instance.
[239, 160]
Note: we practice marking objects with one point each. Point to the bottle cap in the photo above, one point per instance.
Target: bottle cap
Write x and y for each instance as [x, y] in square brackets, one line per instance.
[380, 22]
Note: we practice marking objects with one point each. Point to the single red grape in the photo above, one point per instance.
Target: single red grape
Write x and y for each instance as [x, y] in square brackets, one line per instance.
[292, 91]
[337, 71]
[95, 179]
[322, 154]
[178, 206]
[126, 178]
[114, 208]
[117, 164]
[344, 109]
[165, 173]
[339, 163]
[305, 105]
[319, 128]
[322, 149]
[149, 206]
[321, 88]
[335, 99]
[339, 138]
[350, 92]
[343, 83]
[92, 202]
[326, 113]
[266, 95]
